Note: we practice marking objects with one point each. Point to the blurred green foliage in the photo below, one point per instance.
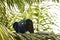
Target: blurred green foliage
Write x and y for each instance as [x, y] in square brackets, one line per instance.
[12, 11]
[15, 10]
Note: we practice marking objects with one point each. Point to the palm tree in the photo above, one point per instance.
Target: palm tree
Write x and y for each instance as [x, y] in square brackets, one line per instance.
[7, 17]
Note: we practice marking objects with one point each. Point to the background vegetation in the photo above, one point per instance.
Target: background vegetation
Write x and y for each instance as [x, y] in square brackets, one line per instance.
[36, 10]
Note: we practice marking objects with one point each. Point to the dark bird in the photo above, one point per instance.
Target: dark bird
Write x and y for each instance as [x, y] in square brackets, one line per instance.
[23, 26]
